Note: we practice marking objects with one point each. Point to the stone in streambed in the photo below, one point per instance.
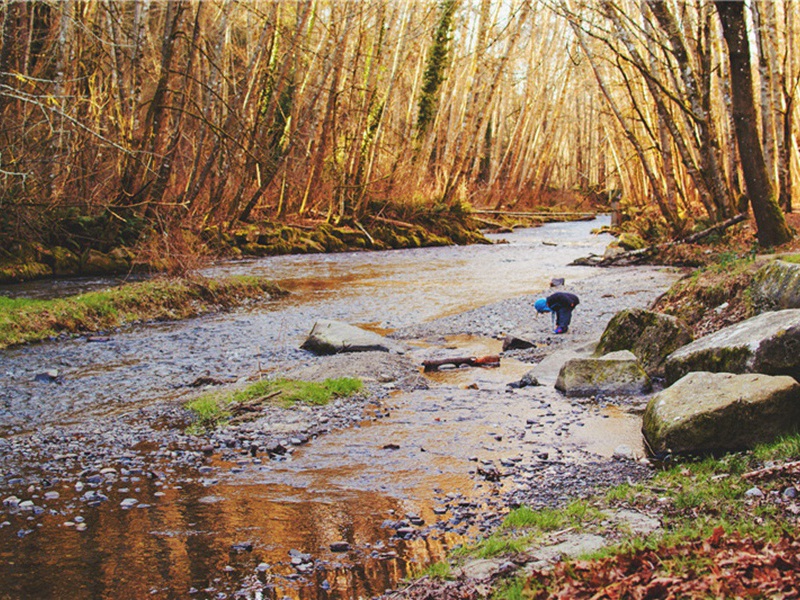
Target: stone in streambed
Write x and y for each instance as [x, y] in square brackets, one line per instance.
[333, 337]
[612, 374]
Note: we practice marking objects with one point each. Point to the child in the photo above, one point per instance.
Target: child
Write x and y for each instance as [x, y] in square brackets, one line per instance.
[561, 304]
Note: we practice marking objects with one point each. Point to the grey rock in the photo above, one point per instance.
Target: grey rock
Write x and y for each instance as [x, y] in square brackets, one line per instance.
[754, 492]
[615, 373]
[705, 412]
[776, 286]
[333, 337]
[768, 343]
[340, 547]
[516, 342]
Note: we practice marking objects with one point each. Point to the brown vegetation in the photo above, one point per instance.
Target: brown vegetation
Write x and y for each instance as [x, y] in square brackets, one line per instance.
[132, 123]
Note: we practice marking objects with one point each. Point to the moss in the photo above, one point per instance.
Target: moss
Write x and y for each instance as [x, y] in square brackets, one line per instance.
[24, 271]
[24, 321]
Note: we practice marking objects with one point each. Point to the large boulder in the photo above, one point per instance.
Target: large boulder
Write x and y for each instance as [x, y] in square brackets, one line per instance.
[706, 412]
[776, 286]
[768, 343]
[649, 335]
[618, 373]
[333, 337]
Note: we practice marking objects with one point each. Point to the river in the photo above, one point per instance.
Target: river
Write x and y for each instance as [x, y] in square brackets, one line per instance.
[254, 529]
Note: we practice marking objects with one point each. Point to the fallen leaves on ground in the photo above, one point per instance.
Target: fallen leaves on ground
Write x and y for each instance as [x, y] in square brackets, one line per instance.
[721, 566]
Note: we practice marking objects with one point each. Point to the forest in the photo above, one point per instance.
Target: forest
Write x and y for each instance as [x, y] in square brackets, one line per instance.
[158, 129]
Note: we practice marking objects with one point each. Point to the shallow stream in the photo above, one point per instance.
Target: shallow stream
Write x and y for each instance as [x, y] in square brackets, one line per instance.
[397, 490]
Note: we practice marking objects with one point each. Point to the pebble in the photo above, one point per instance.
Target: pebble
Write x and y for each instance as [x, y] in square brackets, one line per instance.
[754, 492]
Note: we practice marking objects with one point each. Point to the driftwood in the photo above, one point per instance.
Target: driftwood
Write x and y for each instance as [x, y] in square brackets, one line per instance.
[786, 468]
[634, 256]
[253, 405]
[471, 361]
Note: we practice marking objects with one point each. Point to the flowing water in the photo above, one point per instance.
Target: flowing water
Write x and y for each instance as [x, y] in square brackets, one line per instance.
[254, 529]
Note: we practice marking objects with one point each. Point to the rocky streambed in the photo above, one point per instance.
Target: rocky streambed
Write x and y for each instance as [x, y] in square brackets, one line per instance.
[338, 501]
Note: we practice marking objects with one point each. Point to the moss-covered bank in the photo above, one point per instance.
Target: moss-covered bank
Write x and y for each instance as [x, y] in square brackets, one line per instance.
[93, 250]
[24, 320]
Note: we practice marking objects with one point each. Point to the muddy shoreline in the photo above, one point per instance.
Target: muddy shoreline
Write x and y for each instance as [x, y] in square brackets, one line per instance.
[61, 471]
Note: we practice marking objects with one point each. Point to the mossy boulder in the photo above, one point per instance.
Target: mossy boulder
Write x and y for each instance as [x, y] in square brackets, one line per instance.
[651, 336]
[776, 286]
[65, 262]
[94, 262]
[768, 343]
[631, 241]
[707, 412]
[617, 373]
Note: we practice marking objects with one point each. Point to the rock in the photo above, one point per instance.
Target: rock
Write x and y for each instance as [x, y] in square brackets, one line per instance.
[704, 412]
[754, 492]
[649, 335]
[612, 251]
[340, 547]
[631, 241]
[768, 343]
[128, 503]
[615, 373]
[515, 342]
[529, 379]
[556, 282]
[776, 286]
[332, 337]
[97, 263]
[625, 452]
[48, 376]
[65, 262]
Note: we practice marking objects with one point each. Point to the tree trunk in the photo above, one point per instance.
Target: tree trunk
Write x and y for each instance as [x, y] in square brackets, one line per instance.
[770, 221]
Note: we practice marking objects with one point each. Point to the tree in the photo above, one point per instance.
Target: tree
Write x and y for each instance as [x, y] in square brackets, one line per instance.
[770, 221]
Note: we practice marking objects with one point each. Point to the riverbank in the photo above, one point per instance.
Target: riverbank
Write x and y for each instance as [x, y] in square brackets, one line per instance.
[161, 299]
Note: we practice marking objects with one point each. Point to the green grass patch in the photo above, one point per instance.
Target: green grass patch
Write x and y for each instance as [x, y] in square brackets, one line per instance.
[213, 409]
[697, 498]
[438, 570]
[29, 320]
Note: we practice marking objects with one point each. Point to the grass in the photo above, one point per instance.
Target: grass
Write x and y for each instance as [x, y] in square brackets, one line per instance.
[28, 320]
[695, 498]
[214, 409]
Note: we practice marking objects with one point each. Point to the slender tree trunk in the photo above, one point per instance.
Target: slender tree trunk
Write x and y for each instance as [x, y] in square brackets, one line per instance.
[772, 227]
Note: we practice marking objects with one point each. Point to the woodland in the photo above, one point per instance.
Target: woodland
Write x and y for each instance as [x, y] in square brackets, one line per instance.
[169, 127]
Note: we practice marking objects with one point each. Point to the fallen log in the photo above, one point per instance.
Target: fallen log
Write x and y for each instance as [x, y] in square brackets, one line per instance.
[471, 361]
[634, 256]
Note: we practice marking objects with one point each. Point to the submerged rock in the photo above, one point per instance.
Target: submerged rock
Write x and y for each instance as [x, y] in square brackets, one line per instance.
[333, 337]
[649, 335]
[614, 373]
[704, 412]
[768, 343]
